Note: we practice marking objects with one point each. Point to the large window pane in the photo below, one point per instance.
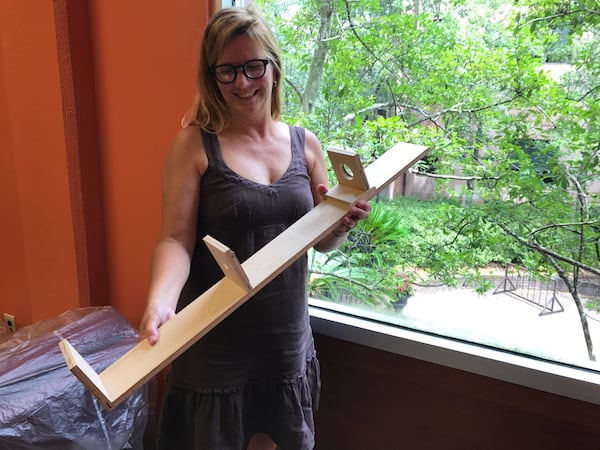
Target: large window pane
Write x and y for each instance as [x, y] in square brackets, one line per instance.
[495, 235]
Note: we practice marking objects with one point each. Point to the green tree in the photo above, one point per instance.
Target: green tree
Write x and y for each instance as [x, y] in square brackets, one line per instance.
[469, 79]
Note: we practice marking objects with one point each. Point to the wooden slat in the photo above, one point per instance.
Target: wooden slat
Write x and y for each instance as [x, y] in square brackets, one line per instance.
[228, 262]
[143, 361]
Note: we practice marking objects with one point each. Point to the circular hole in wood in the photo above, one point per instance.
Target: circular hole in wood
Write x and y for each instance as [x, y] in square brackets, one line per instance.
[347, 171]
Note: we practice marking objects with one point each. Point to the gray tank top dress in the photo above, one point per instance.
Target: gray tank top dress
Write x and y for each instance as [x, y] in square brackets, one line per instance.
[257, 371]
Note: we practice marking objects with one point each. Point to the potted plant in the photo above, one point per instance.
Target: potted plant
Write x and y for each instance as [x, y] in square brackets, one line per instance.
[404, 290]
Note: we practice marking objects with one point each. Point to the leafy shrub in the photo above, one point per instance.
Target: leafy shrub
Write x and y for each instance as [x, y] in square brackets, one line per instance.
[442, 238]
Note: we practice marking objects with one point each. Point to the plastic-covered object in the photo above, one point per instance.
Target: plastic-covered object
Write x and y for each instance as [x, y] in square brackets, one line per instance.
[43, 406]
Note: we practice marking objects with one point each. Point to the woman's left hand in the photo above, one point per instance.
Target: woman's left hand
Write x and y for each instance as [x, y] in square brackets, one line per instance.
[359, 211]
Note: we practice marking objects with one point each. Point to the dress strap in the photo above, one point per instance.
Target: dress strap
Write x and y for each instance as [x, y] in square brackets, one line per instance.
[211, 147]
[297, 136]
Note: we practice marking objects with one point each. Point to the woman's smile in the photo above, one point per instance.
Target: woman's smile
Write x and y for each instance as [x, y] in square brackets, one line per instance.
[248, 94]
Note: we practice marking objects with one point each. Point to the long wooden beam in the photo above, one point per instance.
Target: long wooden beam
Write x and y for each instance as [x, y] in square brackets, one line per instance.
[242, 281]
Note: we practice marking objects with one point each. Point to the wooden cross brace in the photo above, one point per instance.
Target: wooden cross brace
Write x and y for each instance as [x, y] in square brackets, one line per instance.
[242, 281]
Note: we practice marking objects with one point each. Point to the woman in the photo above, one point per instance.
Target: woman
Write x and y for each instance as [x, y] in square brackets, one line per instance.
[239, 174]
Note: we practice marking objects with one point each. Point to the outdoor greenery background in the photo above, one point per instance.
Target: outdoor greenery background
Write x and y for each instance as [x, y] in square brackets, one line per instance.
[468, 79]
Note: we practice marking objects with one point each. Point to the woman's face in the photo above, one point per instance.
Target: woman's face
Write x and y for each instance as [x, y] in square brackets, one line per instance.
[246, 97]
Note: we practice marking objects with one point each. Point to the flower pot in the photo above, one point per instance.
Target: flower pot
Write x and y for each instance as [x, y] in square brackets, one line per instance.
[400, 302]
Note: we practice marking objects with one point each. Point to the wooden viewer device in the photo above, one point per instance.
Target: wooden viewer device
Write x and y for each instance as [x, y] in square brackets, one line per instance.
[242, 281]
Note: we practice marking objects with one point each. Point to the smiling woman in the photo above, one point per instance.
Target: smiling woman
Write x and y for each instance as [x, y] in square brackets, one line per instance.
[240, 175]
[208, 109]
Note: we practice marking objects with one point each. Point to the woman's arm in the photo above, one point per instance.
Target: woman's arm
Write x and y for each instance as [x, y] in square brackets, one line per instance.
[184, 166]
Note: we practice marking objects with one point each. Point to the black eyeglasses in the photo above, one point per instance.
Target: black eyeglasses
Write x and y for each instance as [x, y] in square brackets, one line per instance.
[253, 70]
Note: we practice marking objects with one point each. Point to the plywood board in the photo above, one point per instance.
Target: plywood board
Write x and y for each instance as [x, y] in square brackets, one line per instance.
[241, 281]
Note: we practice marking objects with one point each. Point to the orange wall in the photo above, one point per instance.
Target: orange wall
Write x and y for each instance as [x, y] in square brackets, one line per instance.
[145, 62]
[38, 273]
[91, 94]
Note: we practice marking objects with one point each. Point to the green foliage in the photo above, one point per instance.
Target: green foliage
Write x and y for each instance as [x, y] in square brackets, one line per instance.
[365, 266]
[453, 242]
[405, 234]
[470, 79]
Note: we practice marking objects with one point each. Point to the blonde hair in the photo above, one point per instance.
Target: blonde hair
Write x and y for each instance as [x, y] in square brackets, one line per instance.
[209, 110]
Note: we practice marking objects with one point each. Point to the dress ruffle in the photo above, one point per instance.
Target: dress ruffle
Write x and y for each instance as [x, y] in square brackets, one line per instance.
[227, 418]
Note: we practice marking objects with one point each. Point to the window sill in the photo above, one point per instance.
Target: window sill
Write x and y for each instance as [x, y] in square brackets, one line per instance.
[339, 321]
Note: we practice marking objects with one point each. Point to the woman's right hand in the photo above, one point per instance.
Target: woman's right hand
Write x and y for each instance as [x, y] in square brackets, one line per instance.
[153, 318]
[184, 165]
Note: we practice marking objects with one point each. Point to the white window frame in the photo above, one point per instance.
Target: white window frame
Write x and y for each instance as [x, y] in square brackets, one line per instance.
[230, 3]
[339, 321]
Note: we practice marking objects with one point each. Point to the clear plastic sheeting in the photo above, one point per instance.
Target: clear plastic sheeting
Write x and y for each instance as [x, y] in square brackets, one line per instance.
[43, 406]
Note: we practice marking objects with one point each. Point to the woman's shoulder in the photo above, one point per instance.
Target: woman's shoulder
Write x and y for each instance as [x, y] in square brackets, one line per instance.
[188, 144]
[312, 145]
[189, 135]
[189, 140]
[311, 141]
[313, 152]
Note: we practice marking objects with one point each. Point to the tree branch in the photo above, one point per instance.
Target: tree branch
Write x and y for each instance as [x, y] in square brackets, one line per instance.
[595, 88]
[547, 252]
[357, 36]
[559, 15]
[451, 177]
[564, 225]
[294, 88]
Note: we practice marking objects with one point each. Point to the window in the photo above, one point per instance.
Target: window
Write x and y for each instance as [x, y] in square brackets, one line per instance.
[495, 235]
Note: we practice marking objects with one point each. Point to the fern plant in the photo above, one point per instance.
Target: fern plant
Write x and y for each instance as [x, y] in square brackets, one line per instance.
[364, 267]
